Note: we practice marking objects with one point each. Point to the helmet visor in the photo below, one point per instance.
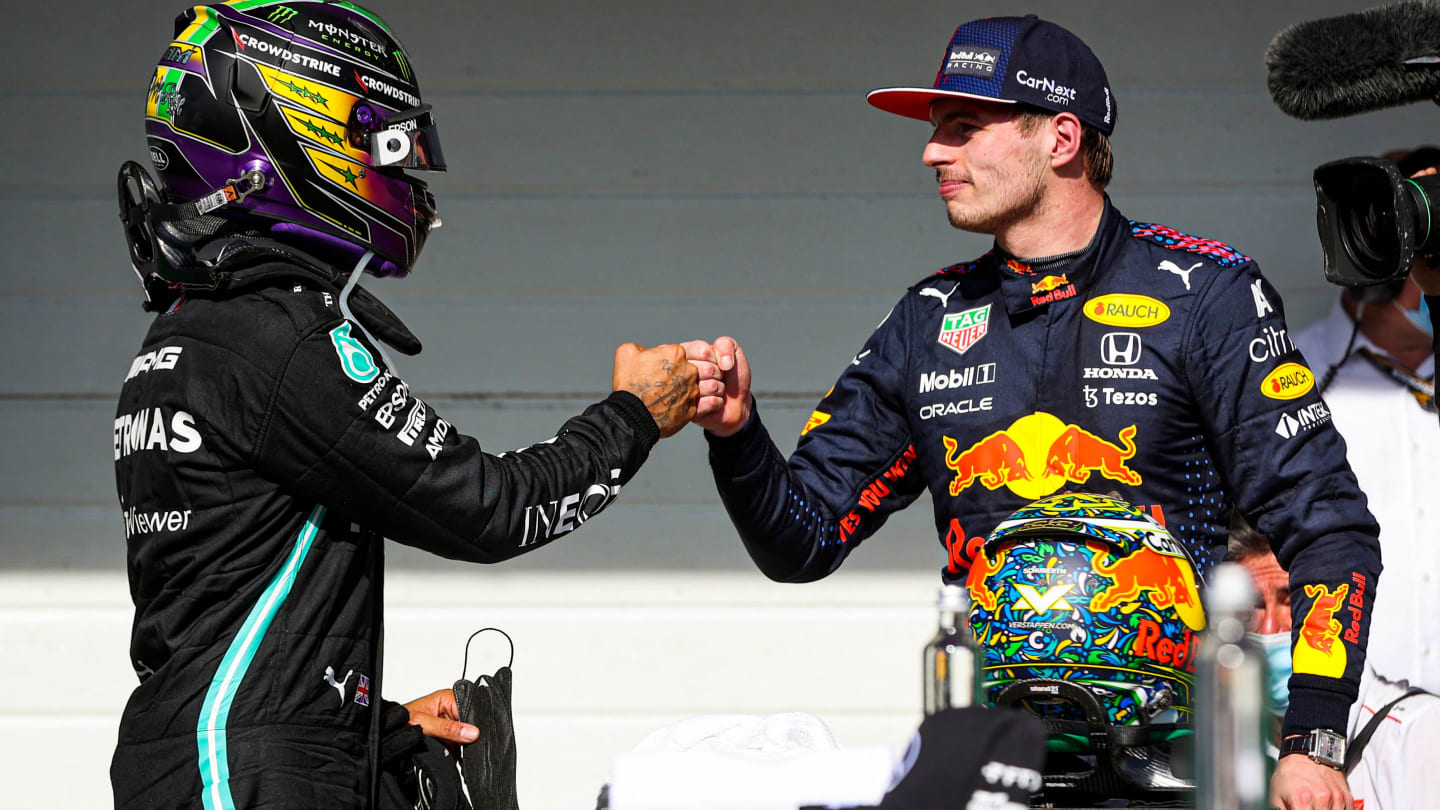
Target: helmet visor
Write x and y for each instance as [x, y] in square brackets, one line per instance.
[409, 140]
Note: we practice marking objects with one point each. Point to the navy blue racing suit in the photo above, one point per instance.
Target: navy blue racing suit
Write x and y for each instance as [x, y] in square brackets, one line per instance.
[1152, 363]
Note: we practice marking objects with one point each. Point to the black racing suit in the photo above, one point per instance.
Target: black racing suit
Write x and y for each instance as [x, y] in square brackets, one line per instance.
[262, 453]
[1151, 363]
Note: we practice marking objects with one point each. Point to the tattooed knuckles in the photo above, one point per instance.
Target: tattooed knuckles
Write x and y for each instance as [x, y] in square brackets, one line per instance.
[663, 379]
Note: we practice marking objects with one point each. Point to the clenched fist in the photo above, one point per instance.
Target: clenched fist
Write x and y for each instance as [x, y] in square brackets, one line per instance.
[663, 379]
[725, 403]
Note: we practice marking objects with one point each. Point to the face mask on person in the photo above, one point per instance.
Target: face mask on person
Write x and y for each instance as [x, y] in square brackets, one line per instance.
[1420, 317]
[1277, 655]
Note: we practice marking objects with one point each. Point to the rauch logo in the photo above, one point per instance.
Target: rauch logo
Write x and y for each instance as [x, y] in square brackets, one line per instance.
[1125, 309]
[1289, 381]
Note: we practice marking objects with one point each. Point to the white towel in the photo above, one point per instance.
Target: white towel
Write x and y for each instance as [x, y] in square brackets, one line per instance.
[743, 762]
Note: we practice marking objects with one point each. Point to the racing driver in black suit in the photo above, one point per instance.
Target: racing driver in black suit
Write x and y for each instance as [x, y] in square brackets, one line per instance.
[1085, 350]
[265, 446]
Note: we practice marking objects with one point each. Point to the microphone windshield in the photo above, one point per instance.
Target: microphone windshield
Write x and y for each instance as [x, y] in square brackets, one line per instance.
[1357, 63]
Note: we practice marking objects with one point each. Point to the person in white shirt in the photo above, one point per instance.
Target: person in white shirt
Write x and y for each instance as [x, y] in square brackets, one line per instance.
[1392, 768]
[1396, 767]
[1375, 362]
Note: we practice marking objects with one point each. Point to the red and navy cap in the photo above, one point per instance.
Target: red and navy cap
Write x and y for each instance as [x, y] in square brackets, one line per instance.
[1013, 60]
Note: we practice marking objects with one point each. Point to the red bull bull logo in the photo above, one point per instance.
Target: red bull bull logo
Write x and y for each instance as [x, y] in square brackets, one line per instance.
[1167, 580]
[995, 460]
[1319, 650]
[981, 569]
[1051, 288]
[1048, 283]
[1037, 454]
[1078, 453]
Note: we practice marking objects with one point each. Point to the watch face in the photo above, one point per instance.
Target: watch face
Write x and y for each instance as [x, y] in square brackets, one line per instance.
[1328, 748]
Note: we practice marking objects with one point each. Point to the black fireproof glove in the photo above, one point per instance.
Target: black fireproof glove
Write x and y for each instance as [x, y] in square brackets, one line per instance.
[488, 764]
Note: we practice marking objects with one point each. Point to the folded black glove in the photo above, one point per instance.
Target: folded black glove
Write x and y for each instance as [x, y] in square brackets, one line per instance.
[488, 764]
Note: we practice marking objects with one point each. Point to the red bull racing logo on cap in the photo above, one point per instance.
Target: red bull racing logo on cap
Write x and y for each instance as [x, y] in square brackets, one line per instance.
[971, 60]
[961, 330]
[1037, 455]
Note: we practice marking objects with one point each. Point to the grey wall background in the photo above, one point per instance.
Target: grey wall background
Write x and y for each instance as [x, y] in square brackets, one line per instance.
[625, 171]
[620, 171]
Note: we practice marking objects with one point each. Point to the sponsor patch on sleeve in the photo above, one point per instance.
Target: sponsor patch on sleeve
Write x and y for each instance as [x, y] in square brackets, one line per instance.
[355, 360]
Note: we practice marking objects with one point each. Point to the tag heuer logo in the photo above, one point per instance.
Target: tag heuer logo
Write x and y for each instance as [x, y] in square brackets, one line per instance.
[961, 330]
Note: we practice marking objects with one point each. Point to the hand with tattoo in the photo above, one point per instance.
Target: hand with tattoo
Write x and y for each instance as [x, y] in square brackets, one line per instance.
[662, 377]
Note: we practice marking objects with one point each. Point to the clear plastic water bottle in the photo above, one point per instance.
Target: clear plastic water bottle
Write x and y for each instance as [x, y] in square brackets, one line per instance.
[952, 665]
[1231, 710]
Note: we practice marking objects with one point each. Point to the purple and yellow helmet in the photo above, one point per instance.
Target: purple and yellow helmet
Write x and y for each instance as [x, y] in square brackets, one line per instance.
[321, 98]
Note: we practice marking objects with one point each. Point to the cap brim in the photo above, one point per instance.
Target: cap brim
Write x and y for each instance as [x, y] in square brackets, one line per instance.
[914, 102]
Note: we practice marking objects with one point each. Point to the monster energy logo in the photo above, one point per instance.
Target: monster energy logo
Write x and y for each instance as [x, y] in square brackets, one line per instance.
[281, 15]
[404, 66]
[345, 174]
[305, 93]
[321, 132]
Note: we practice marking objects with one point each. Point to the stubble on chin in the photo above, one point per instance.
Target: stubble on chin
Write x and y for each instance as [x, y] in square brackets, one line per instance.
[1015, 205]
[972, 221]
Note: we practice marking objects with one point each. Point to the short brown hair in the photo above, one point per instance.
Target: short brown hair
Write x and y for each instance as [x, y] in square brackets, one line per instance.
[1244, 541]
[1094, 145]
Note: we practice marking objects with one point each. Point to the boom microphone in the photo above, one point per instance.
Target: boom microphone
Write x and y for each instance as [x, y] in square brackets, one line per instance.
[1357, 63]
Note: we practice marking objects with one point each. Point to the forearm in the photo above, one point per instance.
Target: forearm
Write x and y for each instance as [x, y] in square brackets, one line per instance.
[790, 534]
[501, 506]
[444, 494]
[1333, 582]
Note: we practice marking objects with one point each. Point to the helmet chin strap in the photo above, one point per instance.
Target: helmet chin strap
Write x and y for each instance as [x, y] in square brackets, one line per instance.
[345, 305]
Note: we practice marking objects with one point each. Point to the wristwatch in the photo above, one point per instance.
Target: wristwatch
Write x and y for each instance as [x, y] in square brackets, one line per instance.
[1322, 745]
